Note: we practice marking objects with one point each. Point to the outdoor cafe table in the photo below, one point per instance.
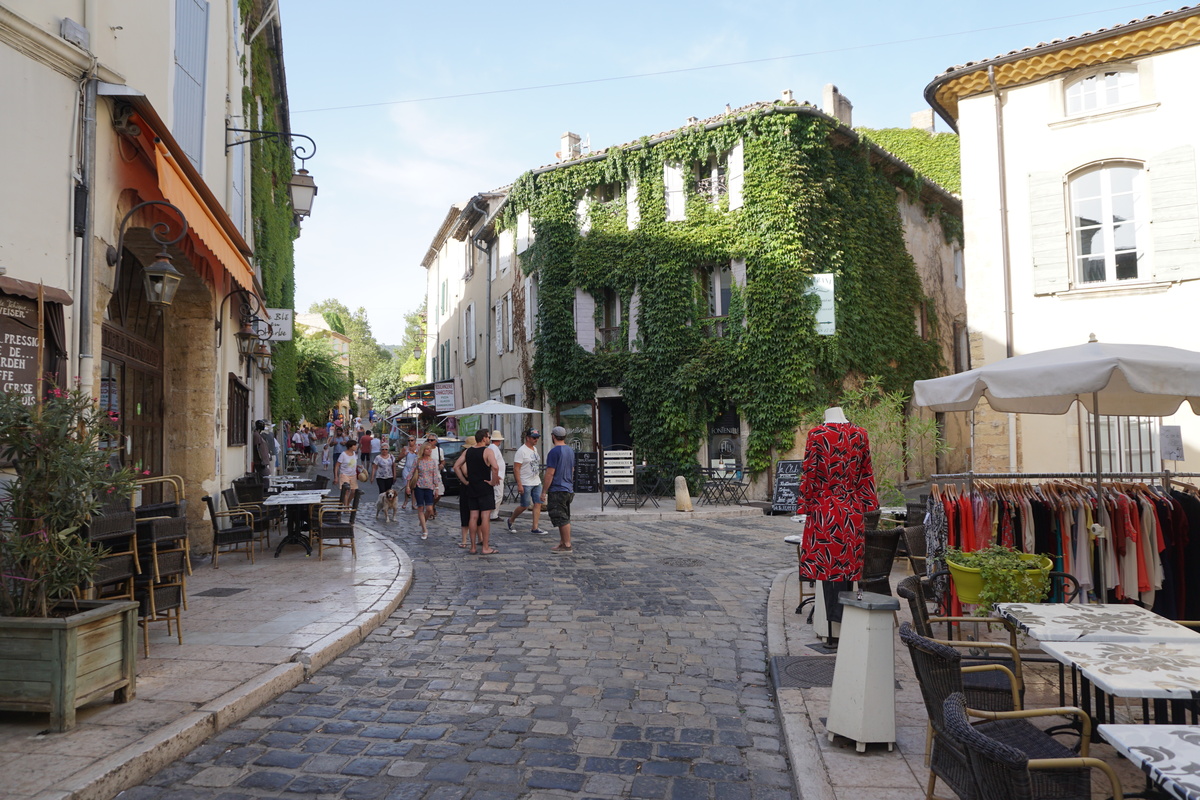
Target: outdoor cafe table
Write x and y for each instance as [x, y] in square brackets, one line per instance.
[1143, 670]
[295, 501]
[1168, 754]
[1076, 622]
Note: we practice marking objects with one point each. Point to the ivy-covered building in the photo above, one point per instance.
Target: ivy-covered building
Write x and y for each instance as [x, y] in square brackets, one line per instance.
[696, 292]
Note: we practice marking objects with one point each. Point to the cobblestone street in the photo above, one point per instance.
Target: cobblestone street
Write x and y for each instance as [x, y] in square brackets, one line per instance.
[633, 668]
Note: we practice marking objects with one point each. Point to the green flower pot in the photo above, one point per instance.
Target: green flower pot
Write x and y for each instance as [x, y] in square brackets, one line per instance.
[968, 581]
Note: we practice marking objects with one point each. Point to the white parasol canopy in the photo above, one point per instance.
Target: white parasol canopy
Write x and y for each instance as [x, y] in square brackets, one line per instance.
[1111, 379]
[491, 407]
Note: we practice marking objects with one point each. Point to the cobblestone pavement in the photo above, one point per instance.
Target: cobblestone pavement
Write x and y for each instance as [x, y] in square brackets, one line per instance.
[634, 667]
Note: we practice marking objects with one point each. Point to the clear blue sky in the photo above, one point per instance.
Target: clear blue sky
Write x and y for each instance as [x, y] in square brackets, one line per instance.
[388, 171]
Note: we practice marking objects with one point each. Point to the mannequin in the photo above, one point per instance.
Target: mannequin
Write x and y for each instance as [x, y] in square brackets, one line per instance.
[838, 487]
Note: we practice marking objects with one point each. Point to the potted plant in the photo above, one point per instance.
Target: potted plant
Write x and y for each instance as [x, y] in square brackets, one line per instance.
[57, 651]
[999, 574]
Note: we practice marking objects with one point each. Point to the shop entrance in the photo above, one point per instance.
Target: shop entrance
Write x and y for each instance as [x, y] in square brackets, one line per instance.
[616, 426]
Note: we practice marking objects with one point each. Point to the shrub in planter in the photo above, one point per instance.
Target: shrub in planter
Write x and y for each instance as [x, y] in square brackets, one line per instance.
[999, 574]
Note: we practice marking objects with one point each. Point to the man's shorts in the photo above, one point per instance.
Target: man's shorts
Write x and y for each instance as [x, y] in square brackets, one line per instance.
[530, 496]
[559, 506]
[479, 498]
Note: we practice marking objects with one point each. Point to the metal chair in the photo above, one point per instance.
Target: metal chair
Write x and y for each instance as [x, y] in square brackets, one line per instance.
[940, 674]
[1021, 770]
[332, 523]
[238, 537]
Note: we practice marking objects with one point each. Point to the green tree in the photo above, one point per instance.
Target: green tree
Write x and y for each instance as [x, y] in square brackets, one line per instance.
[414, 336]
[321, 381]
[365, 352]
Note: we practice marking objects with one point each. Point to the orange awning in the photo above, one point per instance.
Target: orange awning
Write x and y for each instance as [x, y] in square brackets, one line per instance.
[177, 189]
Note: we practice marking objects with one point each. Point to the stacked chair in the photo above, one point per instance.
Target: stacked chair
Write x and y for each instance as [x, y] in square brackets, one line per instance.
[162, 540]
[113, 529]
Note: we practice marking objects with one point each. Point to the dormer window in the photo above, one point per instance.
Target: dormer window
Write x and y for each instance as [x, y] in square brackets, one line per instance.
[1101, 90]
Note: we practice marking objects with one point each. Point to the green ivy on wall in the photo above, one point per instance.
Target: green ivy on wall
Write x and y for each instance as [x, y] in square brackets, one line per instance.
[271, 212]
[934, 155]
[811, 205]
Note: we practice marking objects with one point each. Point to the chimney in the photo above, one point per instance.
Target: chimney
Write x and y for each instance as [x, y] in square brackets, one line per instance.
[570, 147]
[837, 105]
[922, 120]
[787, 97]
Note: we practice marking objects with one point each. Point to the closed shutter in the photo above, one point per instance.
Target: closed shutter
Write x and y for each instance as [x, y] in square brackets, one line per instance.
[676, 200]
[1049, 234]
[508, 322]
[585, 320]
[1175, 215]
[530, 308]
[633, 212]
[191, 59]
[635, 308]
[498, 327]
[582, 218]
[737, 175]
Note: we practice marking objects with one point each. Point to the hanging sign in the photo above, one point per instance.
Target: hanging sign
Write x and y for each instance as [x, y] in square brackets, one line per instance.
[280, 320]
[19, 347]
[822, 287]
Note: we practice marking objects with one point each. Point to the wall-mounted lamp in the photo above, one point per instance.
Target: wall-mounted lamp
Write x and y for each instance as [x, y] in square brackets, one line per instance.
[301, 188]
[161, 280]
[253, 332]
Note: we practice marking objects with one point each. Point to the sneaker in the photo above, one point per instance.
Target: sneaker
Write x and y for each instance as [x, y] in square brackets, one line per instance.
[538, 531]
[510, 527]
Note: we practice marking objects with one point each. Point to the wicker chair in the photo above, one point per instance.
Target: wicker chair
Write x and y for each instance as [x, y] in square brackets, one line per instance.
[333, 523]
[113, 529]
[1002, 771]
[162, 597]
[940, 674]
[261, 516]
[238, 537]
[878, 559]
[915, 548]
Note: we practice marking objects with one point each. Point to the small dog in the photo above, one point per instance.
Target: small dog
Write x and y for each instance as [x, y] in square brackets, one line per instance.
[387, 505]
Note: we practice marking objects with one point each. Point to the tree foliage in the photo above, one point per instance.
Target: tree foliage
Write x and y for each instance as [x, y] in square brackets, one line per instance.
[365, 352]
[321, 381]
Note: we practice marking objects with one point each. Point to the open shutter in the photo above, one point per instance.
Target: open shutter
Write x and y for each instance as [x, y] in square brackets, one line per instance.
[582, 218]
[585, 320]
[635, 308]
[676, 200]
[530, 307]
[1049, 234]
[506, 251]
[737, 174]
[508, 322]
[191, 62]
[524, 232]
[498, 334]
[1174, 215]
[237, 208]
[470, 343]
[633, 212]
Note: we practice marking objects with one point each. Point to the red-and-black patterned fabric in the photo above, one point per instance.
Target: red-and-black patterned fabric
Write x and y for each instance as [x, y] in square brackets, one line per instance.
[837, 488]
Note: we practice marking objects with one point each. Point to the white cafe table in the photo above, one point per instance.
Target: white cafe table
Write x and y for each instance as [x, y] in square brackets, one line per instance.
[295, 501]
[1104, 622]
[1168, 754]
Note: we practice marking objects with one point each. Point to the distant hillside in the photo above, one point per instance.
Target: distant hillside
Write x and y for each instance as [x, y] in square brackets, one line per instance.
[934, 155]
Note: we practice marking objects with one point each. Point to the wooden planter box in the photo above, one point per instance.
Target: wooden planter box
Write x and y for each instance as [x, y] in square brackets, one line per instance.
[56, 665]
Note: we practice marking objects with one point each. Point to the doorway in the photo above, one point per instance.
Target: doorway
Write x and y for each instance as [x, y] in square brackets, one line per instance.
[616, 425]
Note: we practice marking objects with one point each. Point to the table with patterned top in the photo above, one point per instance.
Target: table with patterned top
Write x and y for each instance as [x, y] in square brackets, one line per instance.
[1168, 754]
[1105, 622]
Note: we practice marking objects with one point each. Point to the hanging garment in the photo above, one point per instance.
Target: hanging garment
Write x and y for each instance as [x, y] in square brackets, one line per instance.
[838, 487]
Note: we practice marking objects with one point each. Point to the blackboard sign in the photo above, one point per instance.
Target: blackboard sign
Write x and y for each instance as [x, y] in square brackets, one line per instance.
[19, 348]
[587, 473]
[787, 487]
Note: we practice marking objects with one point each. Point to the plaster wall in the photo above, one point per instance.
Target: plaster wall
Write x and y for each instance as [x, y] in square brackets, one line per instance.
[1040, 138]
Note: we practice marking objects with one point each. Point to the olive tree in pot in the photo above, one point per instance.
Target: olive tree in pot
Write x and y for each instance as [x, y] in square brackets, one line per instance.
[58, 652]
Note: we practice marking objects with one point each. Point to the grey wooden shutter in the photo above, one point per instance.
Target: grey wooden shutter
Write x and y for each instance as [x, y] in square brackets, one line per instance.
[635, 308]
[1048, 231]
[191, 59]
[585, 320]
[1175, 215]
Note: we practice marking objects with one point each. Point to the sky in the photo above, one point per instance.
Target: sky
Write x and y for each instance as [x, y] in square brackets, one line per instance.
[417, 106]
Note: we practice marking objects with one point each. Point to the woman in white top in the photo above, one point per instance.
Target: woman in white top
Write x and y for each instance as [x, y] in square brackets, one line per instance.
[383, 469]
[347, 466]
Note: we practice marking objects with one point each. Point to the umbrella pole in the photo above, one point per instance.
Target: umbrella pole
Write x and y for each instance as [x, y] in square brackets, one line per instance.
[1103, 532]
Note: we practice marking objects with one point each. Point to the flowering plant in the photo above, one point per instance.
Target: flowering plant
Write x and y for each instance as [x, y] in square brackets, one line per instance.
[62, 477]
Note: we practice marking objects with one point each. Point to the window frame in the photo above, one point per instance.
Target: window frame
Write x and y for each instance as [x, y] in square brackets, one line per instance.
[1128, 94]
[1106, 226]
[238, 412]
[712, 295]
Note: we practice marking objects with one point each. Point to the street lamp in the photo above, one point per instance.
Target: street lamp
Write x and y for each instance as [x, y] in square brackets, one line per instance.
[161, 280]
[262, 357]
[253, 332]
[301, 188]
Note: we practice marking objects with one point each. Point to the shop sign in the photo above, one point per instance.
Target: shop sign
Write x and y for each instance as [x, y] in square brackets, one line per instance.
[444, 396]
[822, 287]
[19, 347]
[280, 322]
[424, 396]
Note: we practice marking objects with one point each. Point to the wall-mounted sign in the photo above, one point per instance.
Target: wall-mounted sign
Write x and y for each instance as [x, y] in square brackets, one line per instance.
[822, 287]
[424, 396]
[280, 320]
[19, 347]
[444, 396]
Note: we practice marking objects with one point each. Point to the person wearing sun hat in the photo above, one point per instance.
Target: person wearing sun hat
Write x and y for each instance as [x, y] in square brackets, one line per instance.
[498, 489]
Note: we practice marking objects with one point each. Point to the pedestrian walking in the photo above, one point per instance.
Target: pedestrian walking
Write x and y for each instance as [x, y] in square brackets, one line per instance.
[366, 450]
[423, 481]
[478, 471]
[440, 490]
[559, 487]
[337, 447]
[347, 466]
[410, 463]
[498, 489]
[383, 469]
[527, 474]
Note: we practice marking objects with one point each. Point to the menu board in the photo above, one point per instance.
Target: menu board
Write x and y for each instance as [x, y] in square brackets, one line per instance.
[587, 468]
[787, 487]
[18, 347]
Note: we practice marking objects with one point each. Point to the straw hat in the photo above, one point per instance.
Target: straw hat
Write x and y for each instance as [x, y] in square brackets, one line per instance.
[497, 436]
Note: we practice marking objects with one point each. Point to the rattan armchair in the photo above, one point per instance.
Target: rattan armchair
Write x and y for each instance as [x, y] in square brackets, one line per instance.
[261, 516]
[1006, 771]
[879, 555]
[939, 673]
[238, 537]
[336, 522]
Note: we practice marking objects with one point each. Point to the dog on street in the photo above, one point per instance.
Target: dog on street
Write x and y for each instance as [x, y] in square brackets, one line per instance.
[387, 504]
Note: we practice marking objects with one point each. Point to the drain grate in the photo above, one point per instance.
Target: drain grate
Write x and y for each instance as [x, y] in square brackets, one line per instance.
[802, 672]
[681, 562]
[220, 592]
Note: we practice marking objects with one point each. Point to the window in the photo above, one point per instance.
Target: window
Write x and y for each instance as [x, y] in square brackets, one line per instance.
[1127, 444]
[469, 333]
[711, 177]
[239, 412]
[585, 320]
[716, 286]
[1102, 90]
[673, 186]
[524, 232]
[191, 61]
[1106, 224]
[610, 320]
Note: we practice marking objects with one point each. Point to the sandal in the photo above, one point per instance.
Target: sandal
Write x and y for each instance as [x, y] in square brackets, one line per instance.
[493, 551]
[558, 548]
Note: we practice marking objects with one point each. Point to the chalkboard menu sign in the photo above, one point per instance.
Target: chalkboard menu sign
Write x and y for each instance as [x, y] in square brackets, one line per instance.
[19, 347]
[587, 473]
[787, 487]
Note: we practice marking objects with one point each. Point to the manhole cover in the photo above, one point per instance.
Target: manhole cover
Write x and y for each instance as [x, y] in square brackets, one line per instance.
[802, 672]
[220, 592]
[682, 562]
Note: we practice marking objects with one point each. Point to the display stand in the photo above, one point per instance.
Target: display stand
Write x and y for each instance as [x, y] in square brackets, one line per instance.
[862, 703]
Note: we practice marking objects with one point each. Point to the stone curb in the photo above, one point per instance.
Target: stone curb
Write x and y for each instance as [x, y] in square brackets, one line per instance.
[140, 760]
[799, 735]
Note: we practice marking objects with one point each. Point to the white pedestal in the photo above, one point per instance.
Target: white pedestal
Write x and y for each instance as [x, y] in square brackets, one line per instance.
[862, 704]
[821, 625]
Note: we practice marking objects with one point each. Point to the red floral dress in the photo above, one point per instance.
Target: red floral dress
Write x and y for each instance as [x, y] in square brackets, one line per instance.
[837, 488]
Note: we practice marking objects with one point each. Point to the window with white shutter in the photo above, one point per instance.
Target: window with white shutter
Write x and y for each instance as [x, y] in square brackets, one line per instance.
[498, 326]
[676, 199]
[633, 212]
[524, 232]
[237, 168]
[531, 308]
[508, 322]
[582, 218]
[506, 251]
[191, 60]
[585, 320]
[737, 174]
[469, 333]
[635, 308]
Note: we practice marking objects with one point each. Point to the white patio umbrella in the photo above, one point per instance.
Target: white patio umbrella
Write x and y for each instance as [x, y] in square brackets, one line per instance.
[1112, 379]
[491, 407]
